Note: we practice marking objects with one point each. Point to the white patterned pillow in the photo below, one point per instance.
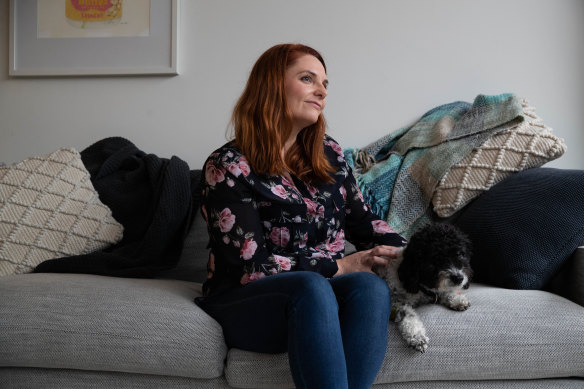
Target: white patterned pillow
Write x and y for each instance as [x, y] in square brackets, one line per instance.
[523, 146]
[50, 209]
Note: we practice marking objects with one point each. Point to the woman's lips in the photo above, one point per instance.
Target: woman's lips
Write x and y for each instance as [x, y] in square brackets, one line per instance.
[315, 104]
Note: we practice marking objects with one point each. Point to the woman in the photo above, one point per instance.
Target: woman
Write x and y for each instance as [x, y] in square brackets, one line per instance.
[278, 200]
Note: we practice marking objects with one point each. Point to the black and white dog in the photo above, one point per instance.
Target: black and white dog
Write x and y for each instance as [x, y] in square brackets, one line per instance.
[433, 267]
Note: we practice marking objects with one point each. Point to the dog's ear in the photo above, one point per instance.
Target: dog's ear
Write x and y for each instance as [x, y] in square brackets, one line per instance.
[408, 271]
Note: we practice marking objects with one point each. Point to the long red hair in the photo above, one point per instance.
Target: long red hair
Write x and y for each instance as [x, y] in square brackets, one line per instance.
[262, 121]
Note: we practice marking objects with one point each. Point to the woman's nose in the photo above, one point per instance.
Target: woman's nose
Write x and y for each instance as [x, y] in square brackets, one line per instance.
[321, 91]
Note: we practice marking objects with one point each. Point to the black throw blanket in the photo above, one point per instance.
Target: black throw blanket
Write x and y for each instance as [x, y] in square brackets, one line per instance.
[151, 197]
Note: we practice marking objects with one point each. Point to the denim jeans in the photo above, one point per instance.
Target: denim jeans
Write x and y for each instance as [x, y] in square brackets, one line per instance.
[334, 330]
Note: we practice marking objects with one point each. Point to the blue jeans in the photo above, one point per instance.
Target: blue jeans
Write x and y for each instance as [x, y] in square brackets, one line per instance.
[334, 330]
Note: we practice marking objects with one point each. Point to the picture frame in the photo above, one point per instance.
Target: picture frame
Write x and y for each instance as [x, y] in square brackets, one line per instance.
[34, 53]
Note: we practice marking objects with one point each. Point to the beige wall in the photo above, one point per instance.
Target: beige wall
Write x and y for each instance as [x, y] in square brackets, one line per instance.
[389, 62]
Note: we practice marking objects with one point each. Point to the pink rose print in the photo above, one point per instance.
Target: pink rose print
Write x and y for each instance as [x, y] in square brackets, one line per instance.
[234, 169]
[247, 278]
[336, 147]
[321, 211]
[226, 220]
[381, 227]
[339, 244]
[343, 192]
[243, 166]
[318, 254]
[303, 241]
[256, 276]
[312, 190]
[248, 248]
[213, 174]
[283, 262]
[286, 182]
[280, 236]
[279, 191]
[311, 206]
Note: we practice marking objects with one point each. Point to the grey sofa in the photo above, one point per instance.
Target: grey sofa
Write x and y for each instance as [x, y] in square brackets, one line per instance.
[88, 331]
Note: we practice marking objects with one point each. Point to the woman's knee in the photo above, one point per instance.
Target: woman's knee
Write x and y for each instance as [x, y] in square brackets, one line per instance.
[312, 282]
[314, 288]
[366, 286]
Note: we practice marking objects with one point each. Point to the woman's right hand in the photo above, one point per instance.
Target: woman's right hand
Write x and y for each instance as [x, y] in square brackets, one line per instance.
[363, 261]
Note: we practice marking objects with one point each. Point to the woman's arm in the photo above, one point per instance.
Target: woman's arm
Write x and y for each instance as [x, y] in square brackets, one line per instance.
[233, 222]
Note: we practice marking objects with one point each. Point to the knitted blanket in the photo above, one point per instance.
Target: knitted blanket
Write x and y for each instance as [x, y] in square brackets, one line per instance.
[399, 172]
[152, 197]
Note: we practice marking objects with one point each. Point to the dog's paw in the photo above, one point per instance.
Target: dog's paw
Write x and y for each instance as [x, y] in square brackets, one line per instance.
[419, 342]
[458, 302]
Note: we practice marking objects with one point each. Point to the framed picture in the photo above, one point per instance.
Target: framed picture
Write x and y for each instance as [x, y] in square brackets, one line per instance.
[93, 37]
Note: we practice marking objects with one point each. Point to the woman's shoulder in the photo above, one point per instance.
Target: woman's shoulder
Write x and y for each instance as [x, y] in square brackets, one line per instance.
[226, 154]
[227, 158]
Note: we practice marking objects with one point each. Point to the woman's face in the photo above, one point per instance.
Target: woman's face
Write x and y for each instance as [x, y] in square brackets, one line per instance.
[305, 86]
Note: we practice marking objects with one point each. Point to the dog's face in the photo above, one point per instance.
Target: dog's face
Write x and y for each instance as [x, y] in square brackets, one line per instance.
[436, 258]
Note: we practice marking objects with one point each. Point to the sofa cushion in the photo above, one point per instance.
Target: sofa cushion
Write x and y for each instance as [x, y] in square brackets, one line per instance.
[524, 145]
[50, 209]
[192, 264]
[89, 322]
[525, 227]
[506, 334]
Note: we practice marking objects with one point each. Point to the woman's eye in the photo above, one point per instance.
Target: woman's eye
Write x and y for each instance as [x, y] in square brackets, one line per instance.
[305, 78]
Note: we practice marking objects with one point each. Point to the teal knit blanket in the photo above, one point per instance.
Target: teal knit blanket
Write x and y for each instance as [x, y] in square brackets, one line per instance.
[399, 172]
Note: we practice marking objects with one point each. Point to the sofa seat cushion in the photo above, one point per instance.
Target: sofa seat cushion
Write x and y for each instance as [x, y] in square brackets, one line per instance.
[88, 322]
[506, 334]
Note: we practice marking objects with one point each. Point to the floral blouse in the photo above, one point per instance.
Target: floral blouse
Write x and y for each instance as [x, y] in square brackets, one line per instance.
[261, 225]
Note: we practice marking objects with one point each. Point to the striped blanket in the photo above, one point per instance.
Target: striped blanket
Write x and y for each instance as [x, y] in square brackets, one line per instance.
[399, 172]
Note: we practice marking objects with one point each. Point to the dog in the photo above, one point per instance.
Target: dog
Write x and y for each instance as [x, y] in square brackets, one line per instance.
[434, 267]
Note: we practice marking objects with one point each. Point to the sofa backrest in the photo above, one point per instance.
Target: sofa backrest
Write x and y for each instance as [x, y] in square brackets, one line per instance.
[192, 265]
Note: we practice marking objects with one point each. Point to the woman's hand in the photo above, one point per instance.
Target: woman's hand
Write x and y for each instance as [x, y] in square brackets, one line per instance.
[363, 261]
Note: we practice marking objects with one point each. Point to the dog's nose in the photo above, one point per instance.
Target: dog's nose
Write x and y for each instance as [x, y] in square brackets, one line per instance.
[456, 279]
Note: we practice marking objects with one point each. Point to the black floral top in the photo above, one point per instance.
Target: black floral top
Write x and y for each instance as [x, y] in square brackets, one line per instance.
[261, 225]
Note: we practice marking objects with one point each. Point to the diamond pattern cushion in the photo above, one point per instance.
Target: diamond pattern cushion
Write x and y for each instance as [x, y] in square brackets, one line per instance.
[49, 209]
[526, 145]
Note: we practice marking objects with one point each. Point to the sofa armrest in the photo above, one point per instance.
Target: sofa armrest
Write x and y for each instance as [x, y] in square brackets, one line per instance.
[569, 282]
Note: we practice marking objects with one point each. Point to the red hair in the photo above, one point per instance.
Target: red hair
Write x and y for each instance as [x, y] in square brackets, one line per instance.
[262, 121]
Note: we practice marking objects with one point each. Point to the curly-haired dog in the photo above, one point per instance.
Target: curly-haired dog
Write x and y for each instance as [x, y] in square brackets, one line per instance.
[433, 268]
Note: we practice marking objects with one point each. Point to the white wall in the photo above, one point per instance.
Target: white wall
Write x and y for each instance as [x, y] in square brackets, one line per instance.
[389, 62]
